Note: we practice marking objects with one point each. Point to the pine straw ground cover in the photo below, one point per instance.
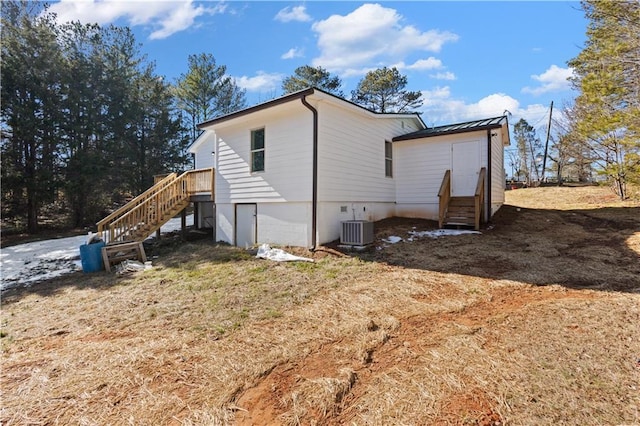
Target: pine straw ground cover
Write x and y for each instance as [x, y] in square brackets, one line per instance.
[535, 321]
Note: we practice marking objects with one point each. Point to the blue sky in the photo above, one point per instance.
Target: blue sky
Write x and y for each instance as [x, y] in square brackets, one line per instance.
[471, 60]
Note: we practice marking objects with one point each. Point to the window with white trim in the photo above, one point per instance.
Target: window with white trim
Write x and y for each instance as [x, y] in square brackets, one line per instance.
[257, 150]
[388, 159]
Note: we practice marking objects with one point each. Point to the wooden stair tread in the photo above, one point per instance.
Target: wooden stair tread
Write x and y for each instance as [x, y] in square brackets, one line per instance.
[462, 201]
[460, 212]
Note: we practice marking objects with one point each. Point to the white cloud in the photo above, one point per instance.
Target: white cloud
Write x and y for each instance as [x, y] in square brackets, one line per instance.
[448, 75]
[163, 17]
[262, 82]
[555, 79]
[430, 63]
[294, 52]
[437, 93]
[371, 35]
[296, 13]
[440, 108]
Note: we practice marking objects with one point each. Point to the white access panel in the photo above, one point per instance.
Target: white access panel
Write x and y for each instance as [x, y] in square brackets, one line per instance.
[246, 221]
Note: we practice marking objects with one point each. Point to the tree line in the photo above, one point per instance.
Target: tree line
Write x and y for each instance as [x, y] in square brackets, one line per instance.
[86, 121]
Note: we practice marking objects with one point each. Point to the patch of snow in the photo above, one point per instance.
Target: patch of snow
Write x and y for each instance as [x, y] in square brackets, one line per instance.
[393, 239]
[437, 233]
[278, 255]
[25, 264]
[414, 235]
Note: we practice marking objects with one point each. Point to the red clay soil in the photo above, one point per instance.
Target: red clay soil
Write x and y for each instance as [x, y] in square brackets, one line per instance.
[264, 403]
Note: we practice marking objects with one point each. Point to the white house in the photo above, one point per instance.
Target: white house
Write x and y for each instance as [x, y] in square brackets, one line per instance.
[291, 170]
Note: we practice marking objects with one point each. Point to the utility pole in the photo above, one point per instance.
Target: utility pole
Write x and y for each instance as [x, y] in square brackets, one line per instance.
[546, 144]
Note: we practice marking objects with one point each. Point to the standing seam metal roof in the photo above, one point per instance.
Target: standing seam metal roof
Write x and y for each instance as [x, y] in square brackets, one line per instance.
[469, 126]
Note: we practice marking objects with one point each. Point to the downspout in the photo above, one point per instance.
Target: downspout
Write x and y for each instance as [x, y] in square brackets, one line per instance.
[314, 189]
[489, 167]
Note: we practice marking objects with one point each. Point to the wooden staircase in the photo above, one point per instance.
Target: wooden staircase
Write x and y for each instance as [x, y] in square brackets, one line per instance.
[146, 213]
[461, 211]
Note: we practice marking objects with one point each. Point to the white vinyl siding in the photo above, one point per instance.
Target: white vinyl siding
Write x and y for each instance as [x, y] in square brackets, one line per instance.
[497, 170]
[287, 174]
[204, 150]
[420, 167]
[351, 155]
[497, 164]
[421, 164]
[285, 224]
[225, 221]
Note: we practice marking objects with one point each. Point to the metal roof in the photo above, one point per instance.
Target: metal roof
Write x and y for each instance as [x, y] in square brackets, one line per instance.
[469, 126]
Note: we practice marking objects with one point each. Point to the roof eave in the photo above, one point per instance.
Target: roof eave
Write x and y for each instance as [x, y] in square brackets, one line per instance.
[416, 135]
[259, 107]
[301, 94]
[196, 143]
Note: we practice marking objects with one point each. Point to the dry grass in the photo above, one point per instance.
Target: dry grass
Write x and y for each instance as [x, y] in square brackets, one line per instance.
[533, 322]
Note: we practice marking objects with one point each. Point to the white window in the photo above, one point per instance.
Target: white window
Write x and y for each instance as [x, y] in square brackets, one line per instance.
[257, 150]
[388, 159]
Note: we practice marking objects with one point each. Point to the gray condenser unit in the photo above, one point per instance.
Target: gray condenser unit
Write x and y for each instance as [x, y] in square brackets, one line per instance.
[356, 232]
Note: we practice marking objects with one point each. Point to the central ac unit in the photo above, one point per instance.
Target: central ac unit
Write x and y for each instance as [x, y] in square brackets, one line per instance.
[356, 232]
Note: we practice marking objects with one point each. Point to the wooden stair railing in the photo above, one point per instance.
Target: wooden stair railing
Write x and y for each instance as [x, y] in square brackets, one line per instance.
[158, 178]
[467, 211]
[479, 197]
[146, 213]
[444, 195]
[140, 199]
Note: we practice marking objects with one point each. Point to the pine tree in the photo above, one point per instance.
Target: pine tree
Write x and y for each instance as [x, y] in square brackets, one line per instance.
[307, 76]
[383, 90]
[30, 75]
[205, 91]
[607, 74]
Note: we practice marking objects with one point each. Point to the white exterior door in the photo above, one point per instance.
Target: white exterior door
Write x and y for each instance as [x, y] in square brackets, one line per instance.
[465, 168]
[246, 225]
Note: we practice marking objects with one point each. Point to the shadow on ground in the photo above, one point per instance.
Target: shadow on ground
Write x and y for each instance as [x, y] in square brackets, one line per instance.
[595, 249]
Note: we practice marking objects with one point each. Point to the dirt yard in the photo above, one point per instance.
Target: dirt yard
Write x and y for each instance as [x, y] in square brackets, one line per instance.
[534, 321]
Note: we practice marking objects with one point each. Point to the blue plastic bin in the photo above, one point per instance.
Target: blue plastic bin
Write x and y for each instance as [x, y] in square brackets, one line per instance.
[91, 257]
